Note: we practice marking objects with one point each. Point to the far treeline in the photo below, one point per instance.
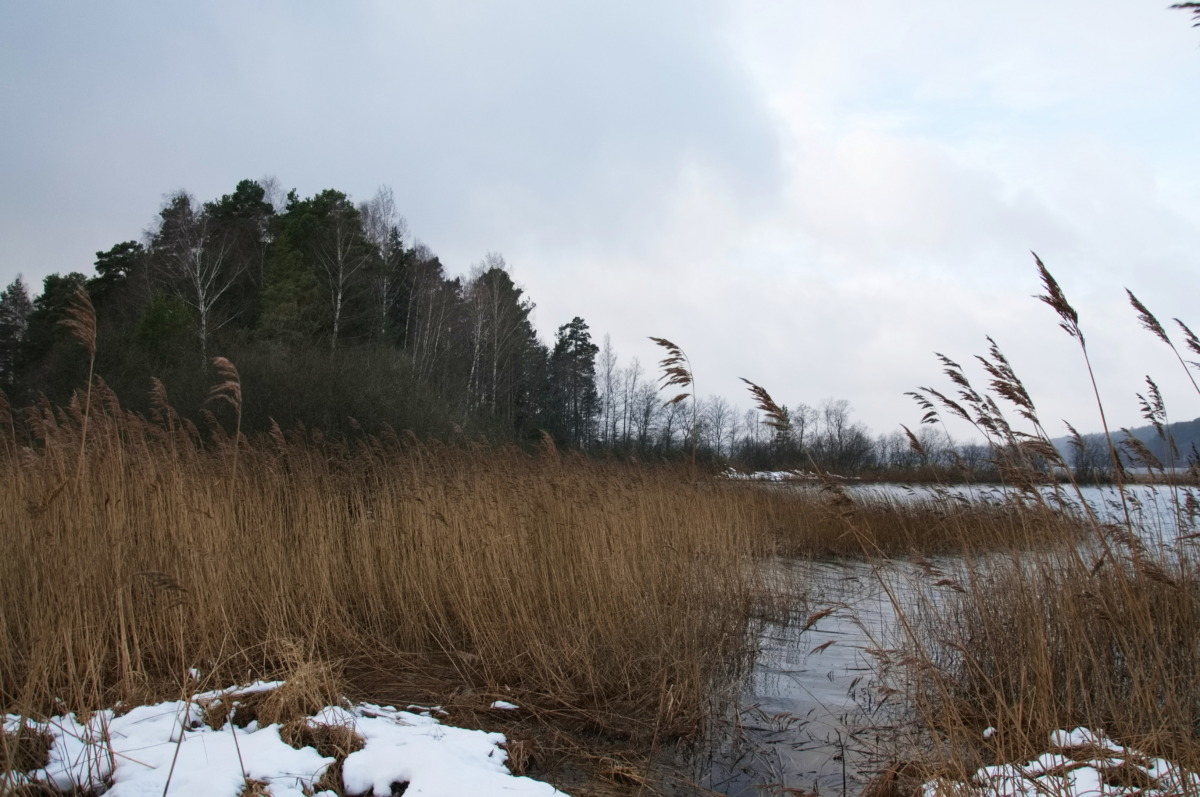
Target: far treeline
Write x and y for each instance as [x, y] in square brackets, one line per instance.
[336, 319]
[341, 323]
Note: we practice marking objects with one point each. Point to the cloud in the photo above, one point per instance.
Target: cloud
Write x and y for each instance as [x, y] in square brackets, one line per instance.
[813, 195]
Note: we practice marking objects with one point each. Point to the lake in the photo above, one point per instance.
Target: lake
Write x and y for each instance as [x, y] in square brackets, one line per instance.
[810, 713]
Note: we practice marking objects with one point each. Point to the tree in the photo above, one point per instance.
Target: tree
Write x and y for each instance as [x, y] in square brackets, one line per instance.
[500, 337]
[424, 316]
[15, 308]
[717, 417]
[646, 409]
[386, 230]
[194, 254]
[288, 310]
[1089, 459]
[804, 418]
[842, 445]
[244, 219]
[574, 399]
[323, 236]
[115, 269]
[52, 368]
[608, 379]
[631, 377]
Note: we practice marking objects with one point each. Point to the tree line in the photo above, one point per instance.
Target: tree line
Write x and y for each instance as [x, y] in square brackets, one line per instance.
[339, 320]
[336, 318]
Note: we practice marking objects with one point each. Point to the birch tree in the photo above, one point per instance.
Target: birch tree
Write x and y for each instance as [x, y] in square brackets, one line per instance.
[195, 259]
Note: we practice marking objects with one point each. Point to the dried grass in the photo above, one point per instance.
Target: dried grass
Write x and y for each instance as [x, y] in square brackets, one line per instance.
[590, 587]
[1104, 633]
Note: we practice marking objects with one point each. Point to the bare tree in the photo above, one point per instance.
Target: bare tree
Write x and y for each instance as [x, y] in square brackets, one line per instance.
[716, 417]
[608, 378]
[430, 305]
[195, 257]
[387, 231]
[499, 327]
[273, 193]
[341, 254]
[804, 419]
[631, 377]
[645, 408]
[752, 425]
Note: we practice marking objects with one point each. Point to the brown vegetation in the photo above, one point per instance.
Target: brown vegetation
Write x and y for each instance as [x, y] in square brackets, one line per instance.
[599, 594]
[1105, 634]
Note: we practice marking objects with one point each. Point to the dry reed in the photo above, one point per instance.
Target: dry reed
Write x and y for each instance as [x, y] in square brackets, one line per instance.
[600, 595]
[1103, 634]
[613, 591]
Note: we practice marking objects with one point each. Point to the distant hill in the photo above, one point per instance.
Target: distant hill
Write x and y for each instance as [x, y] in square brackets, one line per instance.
[1186, 435]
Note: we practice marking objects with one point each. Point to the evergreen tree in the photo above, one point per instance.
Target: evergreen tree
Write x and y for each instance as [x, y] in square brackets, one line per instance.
[116, 269]
[243, 220]
[15, 308]
[574, 400]
[326, 233]
[43, 365]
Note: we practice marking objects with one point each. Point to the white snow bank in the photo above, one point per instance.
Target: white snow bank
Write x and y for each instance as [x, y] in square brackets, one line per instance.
[771, 475]
[1080, 763]
[141, 752]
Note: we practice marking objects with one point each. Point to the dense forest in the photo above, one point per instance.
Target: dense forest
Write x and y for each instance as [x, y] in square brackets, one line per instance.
[338, 320]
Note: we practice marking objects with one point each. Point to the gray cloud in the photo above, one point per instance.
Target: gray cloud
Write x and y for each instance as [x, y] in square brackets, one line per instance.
[814, 195]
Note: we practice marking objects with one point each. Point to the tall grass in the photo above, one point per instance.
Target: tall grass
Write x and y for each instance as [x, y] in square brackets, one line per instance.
[612, 596]
[1104, 634]
[600, 595]
[615, 591]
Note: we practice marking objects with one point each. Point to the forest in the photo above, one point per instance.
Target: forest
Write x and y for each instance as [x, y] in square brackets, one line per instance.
[339, 320]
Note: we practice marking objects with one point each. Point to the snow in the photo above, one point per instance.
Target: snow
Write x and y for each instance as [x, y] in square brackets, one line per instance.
[770, 475]
[1080, 763]
[144, 751]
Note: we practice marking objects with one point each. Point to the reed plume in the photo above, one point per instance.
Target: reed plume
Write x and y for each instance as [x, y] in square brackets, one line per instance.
[229, 391]
[1151, 324]
[777, 417]
[81, 320]
[677, 372]
[1069, 321]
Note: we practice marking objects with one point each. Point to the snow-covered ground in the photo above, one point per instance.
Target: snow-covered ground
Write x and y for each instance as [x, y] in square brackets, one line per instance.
[168, 749]
[771, 476]
[1078, 763]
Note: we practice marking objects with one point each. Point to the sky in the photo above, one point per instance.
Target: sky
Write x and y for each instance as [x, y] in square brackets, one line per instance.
[816, 195]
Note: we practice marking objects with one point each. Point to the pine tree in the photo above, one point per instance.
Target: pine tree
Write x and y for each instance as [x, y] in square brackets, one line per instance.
[15, 308]
[574, 399]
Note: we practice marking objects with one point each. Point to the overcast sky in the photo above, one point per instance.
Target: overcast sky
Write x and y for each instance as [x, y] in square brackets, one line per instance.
[812, 194]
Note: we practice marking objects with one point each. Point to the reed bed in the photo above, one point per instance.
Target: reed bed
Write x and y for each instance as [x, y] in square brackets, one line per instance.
[832, 522]
[1027, 645]
[616, 591]
[145, 559]
[995, 652]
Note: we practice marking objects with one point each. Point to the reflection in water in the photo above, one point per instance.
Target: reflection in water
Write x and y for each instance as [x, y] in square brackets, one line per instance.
[809, 699]
[810, 708]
